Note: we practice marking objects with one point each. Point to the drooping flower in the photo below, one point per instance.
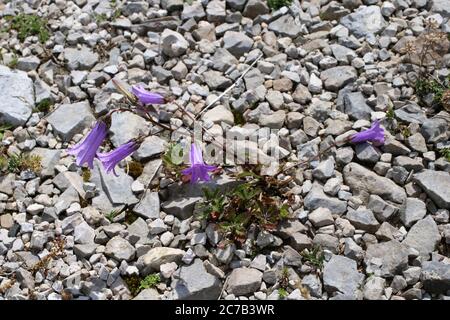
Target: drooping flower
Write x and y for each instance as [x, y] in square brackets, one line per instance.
[110, 159]
[198, 169]
[146, 97]
[374, 134]
[86, 149]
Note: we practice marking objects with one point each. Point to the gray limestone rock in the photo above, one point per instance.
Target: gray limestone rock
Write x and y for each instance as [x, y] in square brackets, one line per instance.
[243, 281]
[423, 236]
[69, 119]
[193, 282]
[16, 96]
[437, 186]
[341, 276]
[364, 21]
[360, 179]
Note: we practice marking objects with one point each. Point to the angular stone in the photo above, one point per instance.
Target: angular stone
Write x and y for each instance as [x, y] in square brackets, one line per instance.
[360, 179]
[16, 96]
[154, 258]
[383, 210]
[364, 21]
[316, 198]
[356, 107]
[285, 26]
[120, 249]
[237, 43]
[148, 207]
[173, 43]
[321, 217]
[254, 8]
[69, 119]
[243, 281]
[363, 219]
[340, 275]
[437, 186]
[126, 126]
[435, 277]
[414, 211]
[195, 283]
[150, 147]
[423, 236]
[337, 77]
[80, 59]
[386, 259]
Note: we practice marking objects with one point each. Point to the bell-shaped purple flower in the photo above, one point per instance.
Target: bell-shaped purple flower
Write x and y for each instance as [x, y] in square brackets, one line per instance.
[374, 134]
[198, 169]
[146, 97]
[86, 149]
[111, 159]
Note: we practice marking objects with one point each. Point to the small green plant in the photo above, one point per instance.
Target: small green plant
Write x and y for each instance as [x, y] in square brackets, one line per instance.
[284, 277]
[44, 105]
[13, 63]
[445, 152]
[20, 162]
[99, 18]
[173, 158]
[116, 14]
[426, 86]
[149, 281]
[3, 128]
[282, 293]
[254, 201]
[30, 25]
[277, 4]
[314, 257]
[390, 114]
[112, 214]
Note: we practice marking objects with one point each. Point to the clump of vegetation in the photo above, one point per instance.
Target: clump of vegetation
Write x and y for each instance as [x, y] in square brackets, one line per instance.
[44, 105]
[150, 281]
[56, 251]
[30, 25]
[427, 52]
[445, 152]
[239, 118]
[135, 169]
[277, 4]
[255, 201]
[282, 293]
[136, 283]
[133, 283]
[112, 215]
[172, 159]
[130, 217]
[86, 174]
[315, 257]
[20, 162]
[284, 278]
[99, 18]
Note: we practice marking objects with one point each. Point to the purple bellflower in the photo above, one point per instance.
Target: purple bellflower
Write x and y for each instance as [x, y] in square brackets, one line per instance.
[374, 134]
[198, 169]
[86, 149]
[146, 97]
[112, 158]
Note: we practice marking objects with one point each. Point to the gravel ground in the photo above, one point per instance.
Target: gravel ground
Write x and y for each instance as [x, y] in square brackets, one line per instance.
[374, 219]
